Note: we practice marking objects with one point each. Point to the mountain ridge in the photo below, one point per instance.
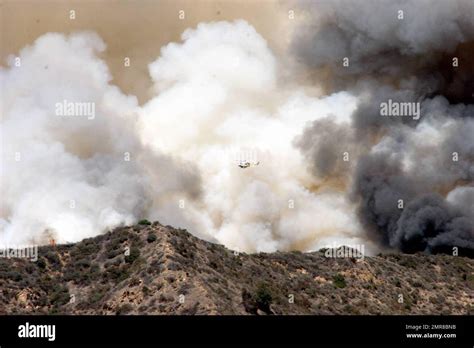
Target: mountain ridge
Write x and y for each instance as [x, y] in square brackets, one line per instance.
[154, 269]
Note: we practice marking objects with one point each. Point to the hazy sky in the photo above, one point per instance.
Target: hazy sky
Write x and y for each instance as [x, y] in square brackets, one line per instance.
[135, 29]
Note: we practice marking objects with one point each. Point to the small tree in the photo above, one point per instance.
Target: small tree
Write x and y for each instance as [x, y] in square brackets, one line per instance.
[339, 281]
[263, 298]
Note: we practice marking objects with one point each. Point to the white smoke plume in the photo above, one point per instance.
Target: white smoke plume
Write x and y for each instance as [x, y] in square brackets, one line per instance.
[217, 100]
[65, 177]
[322, 164]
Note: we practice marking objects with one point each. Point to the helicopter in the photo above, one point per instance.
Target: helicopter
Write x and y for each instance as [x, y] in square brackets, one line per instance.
[246, 164]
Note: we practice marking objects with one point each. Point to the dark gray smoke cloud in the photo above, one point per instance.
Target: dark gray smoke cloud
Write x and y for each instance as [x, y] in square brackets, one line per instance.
[427, 163]
[378, 42]
[324, 143]
[379, 184]
[429, 223]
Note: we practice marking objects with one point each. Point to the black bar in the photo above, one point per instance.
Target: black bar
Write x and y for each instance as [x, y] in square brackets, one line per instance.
[261, 330]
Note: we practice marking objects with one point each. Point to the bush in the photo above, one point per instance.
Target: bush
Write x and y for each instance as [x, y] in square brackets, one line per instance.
[14, 276]
[408, 262]
[82, 264]
[41, 263]
[86, 248]
[60, 296]
[144, 222]
[30, 268]
[53, 258]
[113, 253]
[339, 281]
[263, 298]
[46, 284]
[470, 278]
[151, 238]
[98, 293]
[116, 273]
[156, 267]
[134, 254]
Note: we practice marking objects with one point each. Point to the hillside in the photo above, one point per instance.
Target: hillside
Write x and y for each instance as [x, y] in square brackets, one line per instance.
[169, 271]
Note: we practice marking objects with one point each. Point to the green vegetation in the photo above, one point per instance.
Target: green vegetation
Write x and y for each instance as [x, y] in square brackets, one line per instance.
[151, 237]
[41, 263]
[60, 296]
[53, 258]
[263, 298]
[339, 281]
[144, 222]
[98, 293]
[162, 264]
[134, 254]
[116, 273]
[408, 262]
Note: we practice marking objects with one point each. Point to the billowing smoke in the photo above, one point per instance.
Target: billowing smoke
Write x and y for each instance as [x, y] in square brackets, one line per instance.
[66, 176]
[318, 168]
[217, 104]
[403, 167]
